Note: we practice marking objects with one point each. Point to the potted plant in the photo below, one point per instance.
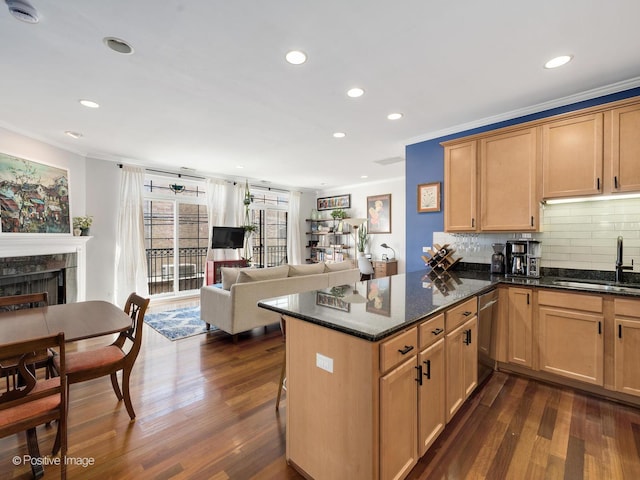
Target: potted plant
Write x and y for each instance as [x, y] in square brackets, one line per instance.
[339, 214]
[362, 239]
[82, 224]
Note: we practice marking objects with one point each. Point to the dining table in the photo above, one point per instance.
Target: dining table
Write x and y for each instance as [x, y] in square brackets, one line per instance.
[78, 321]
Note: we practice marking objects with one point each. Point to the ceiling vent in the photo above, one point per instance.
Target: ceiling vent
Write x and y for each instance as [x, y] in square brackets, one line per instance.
[118, 45]
[23, 11]
[389, 161]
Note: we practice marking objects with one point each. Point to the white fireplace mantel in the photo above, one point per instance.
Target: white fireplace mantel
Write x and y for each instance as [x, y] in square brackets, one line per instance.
[30, 244]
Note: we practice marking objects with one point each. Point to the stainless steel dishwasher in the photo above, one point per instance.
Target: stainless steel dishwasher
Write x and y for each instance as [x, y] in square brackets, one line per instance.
[487, 330]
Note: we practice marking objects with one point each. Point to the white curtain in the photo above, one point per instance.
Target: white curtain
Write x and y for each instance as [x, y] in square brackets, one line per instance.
[131, 264]
[294, 250]
[216, 212]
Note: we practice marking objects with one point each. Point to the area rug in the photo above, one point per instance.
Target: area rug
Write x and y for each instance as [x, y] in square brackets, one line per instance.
[178, 323]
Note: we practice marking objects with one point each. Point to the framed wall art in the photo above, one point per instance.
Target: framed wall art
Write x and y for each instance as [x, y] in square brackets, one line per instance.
[34, 197]
[429, 197]
[330, 203]
[379, 214]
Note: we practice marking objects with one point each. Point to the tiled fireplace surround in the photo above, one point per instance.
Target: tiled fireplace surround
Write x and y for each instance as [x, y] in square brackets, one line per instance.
[35, 262]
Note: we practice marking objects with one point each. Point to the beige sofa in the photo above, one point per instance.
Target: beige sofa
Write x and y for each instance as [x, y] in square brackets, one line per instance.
[233, 308]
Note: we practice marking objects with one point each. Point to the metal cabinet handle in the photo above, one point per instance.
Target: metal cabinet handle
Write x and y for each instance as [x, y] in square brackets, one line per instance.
[406, 349]
[428, 372]
[467, 337]
[419, 376]
[473, 223]
[615, 181]
[599, 328]
[598, 184]
[619, 330]
[467, 313]
[437, 331]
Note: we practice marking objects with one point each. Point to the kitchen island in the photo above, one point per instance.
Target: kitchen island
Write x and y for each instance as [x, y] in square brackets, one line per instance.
[352, 353]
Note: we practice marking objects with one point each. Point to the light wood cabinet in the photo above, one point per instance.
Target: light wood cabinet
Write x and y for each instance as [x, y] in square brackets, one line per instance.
[460, 187]
[398, 421]
[571, 335]
[572, 156]
[627, 346]
[508, 186]
[625, 149]
[461, 348]
[520, 326]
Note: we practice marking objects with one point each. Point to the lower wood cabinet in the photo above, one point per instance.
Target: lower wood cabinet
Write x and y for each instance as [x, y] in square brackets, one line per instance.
[431, 395]
[461, 348]
[520, 326]
[627, 346]
[572, 335]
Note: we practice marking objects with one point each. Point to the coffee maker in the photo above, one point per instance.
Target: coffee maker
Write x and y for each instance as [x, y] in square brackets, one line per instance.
[497, 259]
[523, 258]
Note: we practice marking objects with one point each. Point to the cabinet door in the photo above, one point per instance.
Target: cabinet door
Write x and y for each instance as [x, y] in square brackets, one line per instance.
[572, 156]
[625, 149]
[508, 181]
[431, 407]
[398, 421]
[470, 356]
[460, 187]
[454, 371]
[572, 344]
[627, 356]
[520, 349]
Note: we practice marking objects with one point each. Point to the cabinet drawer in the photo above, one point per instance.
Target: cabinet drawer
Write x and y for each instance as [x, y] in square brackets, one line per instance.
[571, 301]
[431, 330]
[626, 307]
[398, 348]
[461, 313]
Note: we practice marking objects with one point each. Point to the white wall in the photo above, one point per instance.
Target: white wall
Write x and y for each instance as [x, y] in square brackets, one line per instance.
[103, 179]
[359, 194]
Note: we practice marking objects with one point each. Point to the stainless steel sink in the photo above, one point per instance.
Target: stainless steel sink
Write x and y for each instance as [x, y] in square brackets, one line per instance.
[597, 286]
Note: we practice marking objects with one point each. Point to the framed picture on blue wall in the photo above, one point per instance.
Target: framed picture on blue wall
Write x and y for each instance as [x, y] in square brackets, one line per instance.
[429, 197]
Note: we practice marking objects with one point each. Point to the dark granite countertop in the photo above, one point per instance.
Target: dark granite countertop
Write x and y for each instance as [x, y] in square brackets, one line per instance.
[375, 309]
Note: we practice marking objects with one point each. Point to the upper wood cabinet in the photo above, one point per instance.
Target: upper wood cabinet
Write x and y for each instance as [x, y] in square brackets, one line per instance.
[460, 183]
[572, 156]
[508, 181]
[625, 149]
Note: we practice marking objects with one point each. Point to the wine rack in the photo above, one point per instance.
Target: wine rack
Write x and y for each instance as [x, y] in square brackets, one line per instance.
[440, 258]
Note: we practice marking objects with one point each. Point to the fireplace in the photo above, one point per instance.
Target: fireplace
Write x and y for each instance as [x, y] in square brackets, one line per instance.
[54, 274]
[32, 263]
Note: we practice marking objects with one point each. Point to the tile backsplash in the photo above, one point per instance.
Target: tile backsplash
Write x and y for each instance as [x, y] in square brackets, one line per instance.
[574, 235]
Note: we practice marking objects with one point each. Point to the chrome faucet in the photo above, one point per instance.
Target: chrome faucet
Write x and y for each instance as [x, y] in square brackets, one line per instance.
[619, 266]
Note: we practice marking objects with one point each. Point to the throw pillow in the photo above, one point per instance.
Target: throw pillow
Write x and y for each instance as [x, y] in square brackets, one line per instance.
[338, 266]
[257, 274]
[310, 269]
[229, 276]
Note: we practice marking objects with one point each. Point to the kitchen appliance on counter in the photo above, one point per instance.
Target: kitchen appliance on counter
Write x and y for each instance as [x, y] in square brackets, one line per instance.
[497, 259]
[523, 258]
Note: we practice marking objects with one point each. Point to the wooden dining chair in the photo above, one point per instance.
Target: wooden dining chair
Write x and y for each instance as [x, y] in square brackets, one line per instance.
[35, 401]
[43, 359]
[109, 360]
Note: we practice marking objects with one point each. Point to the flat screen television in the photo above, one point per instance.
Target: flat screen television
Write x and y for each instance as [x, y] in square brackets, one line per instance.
[227, 237]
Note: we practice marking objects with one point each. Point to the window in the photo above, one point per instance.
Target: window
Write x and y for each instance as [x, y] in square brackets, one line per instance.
[176, 234]
[268, 212]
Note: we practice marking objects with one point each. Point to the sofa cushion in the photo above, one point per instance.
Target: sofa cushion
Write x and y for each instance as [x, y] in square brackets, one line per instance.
[338, 266]
[229, 276]
[308, 269]
[257, 274]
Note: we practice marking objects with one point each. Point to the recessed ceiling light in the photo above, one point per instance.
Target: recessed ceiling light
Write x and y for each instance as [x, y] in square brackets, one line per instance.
[394, 116]
[364, 176]
[73, 134]
[239, 166]
[558, 61]
[118, 45]
[355, 92]
[339, 135]
[89, 103]
[296, 57]
[23, 11]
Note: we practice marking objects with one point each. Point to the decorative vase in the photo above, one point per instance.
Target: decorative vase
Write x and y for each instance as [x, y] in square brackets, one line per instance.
[77, 232]
[84, 232]
[314, 214]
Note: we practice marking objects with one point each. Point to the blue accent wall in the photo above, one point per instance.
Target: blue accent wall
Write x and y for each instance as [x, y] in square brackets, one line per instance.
[425, 164]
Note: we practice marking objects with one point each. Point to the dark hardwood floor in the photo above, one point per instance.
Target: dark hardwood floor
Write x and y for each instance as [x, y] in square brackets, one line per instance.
[205, 410]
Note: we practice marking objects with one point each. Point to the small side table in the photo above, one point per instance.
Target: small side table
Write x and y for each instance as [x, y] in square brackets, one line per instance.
[384, 268]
